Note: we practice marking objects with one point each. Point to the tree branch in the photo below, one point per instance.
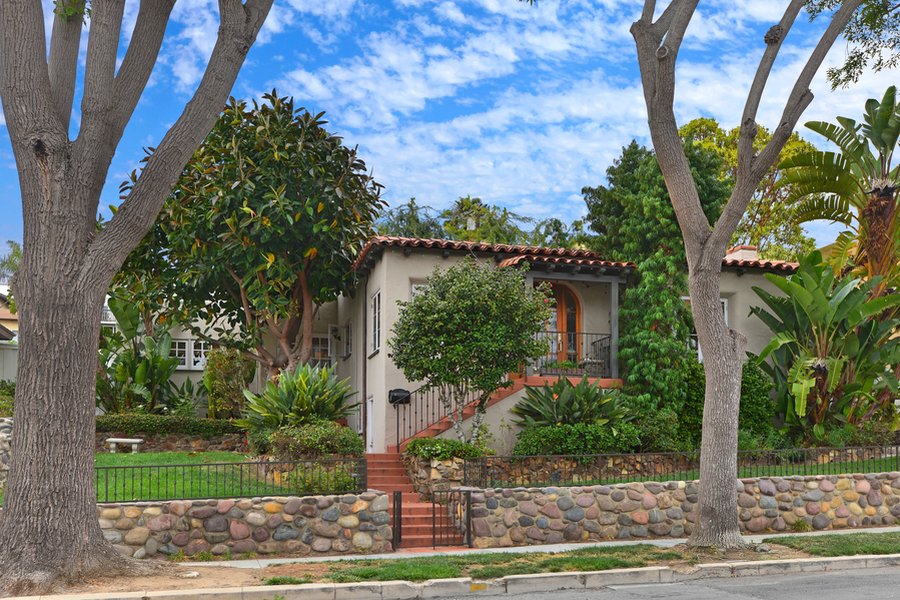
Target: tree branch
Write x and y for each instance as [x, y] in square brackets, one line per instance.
[752, 169]
[99, 82]
[237, 32]
[140, 58]
[65, 42]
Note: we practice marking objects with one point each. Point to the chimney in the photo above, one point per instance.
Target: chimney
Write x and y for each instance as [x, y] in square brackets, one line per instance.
[741, 253]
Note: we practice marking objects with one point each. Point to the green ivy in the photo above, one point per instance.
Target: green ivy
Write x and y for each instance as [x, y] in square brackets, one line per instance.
[132, 424]
[636, 222]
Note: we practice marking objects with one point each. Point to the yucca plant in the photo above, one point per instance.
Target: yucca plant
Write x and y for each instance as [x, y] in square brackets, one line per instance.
[855, 187]
[831, 354]
[307, 395]
[565, 403]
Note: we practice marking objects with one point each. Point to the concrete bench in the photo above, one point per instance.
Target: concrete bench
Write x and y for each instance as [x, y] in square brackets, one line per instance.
[135, 443]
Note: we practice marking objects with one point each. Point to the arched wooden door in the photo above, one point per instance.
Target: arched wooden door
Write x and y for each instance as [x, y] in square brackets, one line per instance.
[567, 324]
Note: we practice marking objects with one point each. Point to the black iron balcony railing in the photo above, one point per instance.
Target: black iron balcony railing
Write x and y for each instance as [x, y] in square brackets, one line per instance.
[576, 354]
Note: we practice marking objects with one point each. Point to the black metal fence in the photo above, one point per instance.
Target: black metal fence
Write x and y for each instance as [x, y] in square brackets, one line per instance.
[594, 469]
[575, 354]
[231, 480]
[451, 523]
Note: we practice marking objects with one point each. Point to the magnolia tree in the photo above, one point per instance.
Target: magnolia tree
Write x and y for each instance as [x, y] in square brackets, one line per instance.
[658, 38]
[267, 219]
[49, 530]
[465, 331]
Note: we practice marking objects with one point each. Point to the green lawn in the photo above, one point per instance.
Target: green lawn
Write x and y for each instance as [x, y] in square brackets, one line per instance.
[177, 476]
[848, 544]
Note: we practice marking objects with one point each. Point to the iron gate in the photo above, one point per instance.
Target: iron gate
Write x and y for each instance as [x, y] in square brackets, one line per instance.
[452, 518]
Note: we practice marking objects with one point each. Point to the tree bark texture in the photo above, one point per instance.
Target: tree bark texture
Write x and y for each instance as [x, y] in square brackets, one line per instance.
[49, 532]
[658, 43]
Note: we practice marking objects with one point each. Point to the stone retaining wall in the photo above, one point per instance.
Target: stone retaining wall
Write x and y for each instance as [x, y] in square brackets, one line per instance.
[154, 442]
[433, 475]
[316, 525]
[523, 516]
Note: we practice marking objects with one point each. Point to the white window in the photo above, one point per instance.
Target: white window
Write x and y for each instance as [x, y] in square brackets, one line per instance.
[191, 354]
[321, 354]
[376, 321]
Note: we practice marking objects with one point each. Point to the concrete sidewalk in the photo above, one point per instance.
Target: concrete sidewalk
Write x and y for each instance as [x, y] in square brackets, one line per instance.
[513, 584]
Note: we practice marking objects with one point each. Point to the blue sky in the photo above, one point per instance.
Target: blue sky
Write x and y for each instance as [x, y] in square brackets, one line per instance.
[520, 105]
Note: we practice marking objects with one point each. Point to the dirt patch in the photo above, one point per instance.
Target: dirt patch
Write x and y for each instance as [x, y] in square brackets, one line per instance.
[181, 577]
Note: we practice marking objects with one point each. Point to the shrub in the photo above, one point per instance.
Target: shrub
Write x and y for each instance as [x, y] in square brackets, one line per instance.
[132, 424]
[225, 376]
[321, 478]
[756, 411]
[307, 395]
[7, 397]
[658, 432]
[565, 403]
[321, 439]
[442, 449]
[581, 438]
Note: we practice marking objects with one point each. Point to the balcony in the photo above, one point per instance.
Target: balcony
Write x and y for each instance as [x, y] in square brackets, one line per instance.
[576, 354]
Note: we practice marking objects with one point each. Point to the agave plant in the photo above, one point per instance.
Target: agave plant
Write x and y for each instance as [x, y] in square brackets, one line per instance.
[564, 403]
[307, 395]
[831, 352]
[856, 187]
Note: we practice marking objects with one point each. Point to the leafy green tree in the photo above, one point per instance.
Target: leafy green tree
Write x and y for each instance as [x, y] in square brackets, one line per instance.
[872, 34]
[9, 262]
[267, 218]
[470, 219]
[553, 233]
[638, 224]
[465, 331]
[410, 221]
[770, 222]
[856, 187]
[830, 348]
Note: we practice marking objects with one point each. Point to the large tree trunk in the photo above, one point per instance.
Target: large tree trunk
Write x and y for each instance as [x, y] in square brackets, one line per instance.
[49, 531]
[658, 42]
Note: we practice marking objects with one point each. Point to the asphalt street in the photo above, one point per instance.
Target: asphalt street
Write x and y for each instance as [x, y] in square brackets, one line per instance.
[827, 585]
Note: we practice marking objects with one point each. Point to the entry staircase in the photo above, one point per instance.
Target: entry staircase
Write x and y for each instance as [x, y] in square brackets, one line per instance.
[386, 473]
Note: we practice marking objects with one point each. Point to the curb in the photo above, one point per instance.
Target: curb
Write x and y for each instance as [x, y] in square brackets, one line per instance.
[511, 584]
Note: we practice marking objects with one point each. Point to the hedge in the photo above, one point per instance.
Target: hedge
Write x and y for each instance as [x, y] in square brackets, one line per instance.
[132, 424]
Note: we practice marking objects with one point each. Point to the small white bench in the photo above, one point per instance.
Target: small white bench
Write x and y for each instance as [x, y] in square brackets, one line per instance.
[135, 443]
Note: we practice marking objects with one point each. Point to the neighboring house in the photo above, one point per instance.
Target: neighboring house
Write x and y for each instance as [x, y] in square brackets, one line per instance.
[8, 319]
[583, 333]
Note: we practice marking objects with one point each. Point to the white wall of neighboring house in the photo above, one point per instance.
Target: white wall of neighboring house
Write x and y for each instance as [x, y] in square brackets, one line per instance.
[9, 354]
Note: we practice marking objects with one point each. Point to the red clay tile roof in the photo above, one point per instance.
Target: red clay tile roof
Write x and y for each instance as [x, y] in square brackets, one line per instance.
[535, 254]
[779, 266]
[518, 254]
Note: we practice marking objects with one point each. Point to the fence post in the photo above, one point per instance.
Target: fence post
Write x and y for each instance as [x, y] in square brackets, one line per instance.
[398, 519]
[469, 518]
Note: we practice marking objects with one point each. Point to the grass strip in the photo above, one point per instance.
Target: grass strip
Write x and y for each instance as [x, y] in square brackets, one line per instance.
[847, 544]
[490, 566]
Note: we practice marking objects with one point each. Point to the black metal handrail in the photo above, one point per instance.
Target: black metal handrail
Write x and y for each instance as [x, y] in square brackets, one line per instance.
[420, 410]
[594, 469]
[230, 480]
[576, 353]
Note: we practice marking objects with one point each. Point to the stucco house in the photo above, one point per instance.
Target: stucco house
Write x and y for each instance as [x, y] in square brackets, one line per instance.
[583, 334]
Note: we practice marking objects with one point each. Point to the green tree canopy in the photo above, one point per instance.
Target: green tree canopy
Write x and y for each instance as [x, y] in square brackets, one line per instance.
[873, 34]
[636, 222]
[410, 220]
[770, 222]
[461, 334]
[470, 219]
[9, 262]
[267, 218]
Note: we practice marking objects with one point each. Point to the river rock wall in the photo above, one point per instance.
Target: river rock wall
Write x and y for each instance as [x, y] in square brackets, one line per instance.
[315, 525]
[549, 515]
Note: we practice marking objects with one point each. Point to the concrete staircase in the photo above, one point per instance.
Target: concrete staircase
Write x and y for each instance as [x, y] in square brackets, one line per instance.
[387, 474]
